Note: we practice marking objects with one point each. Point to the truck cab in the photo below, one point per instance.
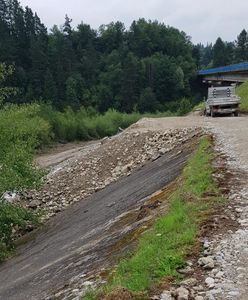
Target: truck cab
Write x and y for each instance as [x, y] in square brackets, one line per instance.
[222, 100]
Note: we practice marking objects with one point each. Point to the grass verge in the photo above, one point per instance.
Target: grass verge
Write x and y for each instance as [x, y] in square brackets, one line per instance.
[199, 107]
[242, 91]
[167, 245]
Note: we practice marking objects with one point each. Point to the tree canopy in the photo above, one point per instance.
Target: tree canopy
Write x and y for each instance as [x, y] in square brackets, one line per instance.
[222, 53]
[112, 67]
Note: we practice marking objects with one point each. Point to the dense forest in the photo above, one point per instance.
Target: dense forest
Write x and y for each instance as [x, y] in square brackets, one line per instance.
[144, 68]
[141, 68]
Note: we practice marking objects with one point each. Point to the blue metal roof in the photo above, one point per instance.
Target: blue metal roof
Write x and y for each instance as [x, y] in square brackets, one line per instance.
[231, 68]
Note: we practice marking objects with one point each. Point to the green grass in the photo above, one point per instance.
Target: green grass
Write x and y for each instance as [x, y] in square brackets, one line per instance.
[168, 244]
[242, 91]
[91, 295]
[21, 132]
[199, 107]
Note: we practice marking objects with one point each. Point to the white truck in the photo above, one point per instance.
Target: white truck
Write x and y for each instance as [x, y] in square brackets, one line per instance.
[222, 100]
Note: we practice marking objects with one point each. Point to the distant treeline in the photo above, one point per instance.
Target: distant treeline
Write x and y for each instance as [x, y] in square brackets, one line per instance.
[142, 68]
[222, 53]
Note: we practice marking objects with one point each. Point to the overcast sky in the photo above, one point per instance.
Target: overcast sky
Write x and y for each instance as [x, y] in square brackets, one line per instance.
[203, 20]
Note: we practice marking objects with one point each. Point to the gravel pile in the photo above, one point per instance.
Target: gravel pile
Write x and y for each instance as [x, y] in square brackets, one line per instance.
[116, 157]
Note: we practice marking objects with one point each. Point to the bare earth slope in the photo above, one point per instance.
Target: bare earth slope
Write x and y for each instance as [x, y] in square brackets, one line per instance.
[75, 241]
[79, 238]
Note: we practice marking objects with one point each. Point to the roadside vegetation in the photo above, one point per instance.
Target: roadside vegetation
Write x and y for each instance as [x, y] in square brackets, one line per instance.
[165, 248]
[21, 131]
[13, 219]
[242, 91]
[199, 107]
[88, 124]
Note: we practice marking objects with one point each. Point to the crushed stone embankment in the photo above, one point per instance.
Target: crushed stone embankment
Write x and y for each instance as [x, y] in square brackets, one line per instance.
[97, 166]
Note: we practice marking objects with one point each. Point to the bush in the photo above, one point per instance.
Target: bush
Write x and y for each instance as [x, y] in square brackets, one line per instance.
[21, 132]
[185, 107]
[11, 217]
[85, 124]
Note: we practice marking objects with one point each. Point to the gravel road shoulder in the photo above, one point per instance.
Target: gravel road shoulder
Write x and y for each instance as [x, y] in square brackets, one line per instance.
[230, 250]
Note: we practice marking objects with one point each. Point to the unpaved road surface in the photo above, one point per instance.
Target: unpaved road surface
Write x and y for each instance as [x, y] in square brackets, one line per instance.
[230, 250]
[81, 238]
[75, 241]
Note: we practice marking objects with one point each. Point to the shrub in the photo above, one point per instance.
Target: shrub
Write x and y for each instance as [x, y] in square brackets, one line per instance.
[11, 217]
[21, 131]
[185, 107]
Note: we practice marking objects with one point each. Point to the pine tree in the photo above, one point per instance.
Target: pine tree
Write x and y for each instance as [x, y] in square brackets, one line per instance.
[242, 46]
[67, 25]
[220, 56]
[131, 83]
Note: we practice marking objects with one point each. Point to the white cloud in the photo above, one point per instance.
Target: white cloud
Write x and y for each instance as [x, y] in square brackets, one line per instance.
[204, 21]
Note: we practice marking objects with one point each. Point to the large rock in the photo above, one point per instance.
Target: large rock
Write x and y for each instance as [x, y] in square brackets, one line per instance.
[189, 282]
[34, 204]
[210, 282]
[162, 151]
[206, 262]
[182, 293]
[11, 197]
[166, 296]
[186, 270]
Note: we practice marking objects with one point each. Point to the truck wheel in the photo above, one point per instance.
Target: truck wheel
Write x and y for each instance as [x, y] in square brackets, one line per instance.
[212, 113]
[236, 114]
